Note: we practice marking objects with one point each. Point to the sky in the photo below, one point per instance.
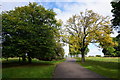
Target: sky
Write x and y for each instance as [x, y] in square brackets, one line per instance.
[65, 9]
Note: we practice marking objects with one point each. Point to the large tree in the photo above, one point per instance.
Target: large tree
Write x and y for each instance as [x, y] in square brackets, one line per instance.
[117, 39]
[88, 27]
[116, 13]
[30, 31]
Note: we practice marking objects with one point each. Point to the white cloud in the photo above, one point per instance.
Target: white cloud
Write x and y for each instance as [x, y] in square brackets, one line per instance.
[94, 50]
[58, 11]
[101, 7]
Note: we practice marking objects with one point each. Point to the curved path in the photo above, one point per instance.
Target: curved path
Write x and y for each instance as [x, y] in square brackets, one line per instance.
[70, 69]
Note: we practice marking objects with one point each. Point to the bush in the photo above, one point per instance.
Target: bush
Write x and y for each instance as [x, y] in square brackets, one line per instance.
[90, 56]
[107, 55]
[98, 55]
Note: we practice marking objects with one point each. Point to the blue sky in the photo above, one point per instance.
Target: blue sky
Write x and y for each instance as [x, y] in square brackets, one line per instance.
[67, 8]
[58, 5]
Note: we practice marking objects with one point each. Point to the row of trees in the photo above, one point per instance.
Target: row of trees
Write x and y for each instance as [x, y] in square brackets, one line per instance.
[31, 32]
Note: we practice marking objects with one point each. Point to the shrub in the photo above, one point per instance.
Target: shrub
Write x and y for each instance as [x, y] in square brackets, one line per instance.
[98, 55]
[90, 56]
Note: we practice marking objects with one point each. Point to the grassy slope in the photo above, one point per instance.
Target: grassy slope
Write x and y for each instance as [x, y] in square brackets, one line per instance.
[107, 67]
[38, 69]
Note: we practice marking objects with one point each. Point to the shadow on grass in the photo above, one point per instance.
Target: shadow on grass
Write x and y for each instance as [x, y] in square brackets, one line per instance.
[13, 64]
[105, 64]
[35, 62]
[20, 64]
[104, 68]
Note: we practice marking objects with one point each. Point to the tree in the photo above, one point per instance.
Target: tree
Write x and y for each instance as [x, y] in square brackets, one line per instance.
[88, 27]
[109, 51]
[117, 39]
[30, 32]
[113, 51]
[116, 13]
[59, 50]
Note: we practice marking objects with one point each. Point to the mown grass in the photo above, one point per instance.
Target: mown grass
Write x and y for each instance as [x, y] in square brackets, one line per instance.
[37, 69]
[108, 67]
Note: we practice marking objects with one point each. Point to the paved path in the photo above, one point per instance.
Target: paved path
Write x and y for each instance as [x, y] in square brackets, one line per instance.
[70, 69]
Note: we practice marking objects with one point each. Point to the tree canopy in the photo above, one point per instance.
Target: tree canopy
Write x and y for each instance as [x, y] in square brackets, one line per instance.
[116, 13]
[30, 31]
[88, 27]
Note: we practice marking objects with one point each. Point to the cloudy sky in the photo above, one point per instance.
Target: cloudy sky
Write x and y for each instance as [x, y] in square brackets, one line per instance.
[65, 9]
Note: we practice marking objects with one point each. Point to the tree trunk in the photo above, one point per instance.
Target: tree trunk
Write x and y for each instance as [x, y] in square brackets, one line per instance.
[19, 59]
[7, 59]
[24, 58]
[83, 58]
[29, 58]
[83, 54]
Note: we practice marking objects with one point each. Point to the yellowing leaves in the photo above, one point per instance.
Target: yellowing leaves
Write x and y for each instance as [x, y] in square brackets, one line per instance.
[89, 27]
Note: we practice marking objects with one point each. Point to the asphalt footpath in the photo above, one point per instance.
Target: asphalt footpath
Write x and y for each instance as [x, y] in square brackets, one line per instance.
[71, 70]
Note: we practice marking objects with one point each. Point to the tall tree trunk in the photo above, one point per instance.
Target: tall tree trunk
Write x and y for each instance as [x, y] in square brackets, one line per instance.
[24, 58]
[83, 58]
[29, 58]
[83, 54]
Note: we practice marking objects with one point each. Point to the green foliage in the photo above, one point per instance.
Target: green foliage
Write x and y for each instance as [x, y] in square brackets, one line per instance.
[86, 50]
[98, 55]
[30, 30]
[107, 56]
[85, 28]
[109, 51]
[73, 51]
[117, 48]
[113, 51]
[90, 56]
[116, 13]
[59, 50]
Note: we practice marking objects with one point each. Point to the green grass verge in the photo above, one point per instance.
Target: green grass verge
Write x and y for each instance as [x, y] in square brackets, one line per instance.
[29, 72]
[37, 69]
[104, 66]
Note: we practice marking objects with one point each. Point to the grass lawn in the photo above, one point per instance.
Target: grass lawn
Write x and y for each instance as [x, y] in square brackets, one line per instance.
[105, 66]
[37, 69]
